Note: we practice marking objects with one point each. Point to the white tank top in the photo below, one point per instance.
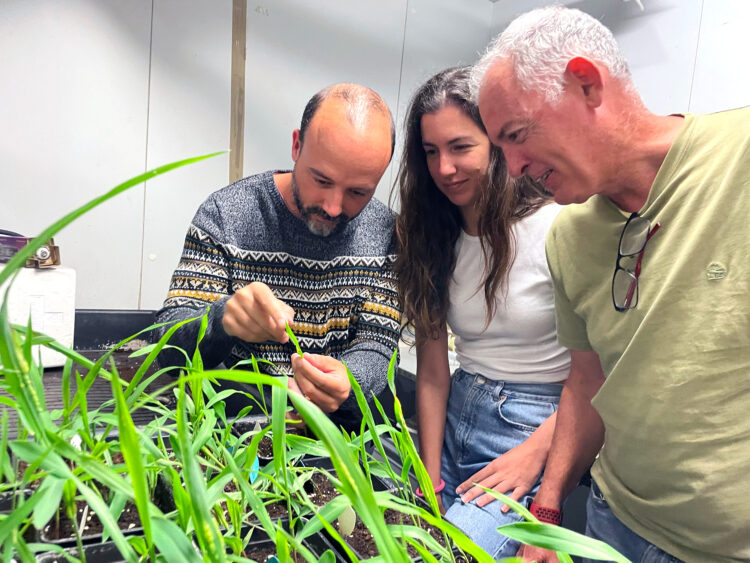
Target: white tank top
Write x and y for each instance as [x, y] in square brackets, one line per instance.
[520, 344]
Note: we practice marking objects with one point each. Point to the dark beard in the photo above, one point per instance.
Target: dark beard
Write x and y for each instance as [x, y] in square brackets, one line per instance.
[308, 213]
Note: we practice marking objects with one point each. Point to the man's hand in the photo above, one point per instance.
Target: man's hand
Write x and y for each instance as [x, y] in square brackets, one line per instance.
[255, 314]
[514, 473]
[536, 554]
[321, 379]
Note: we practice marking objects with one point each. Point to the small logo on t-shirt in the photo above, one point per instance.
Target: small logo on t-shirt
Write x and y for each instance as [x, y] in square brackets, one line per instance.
[716, 271]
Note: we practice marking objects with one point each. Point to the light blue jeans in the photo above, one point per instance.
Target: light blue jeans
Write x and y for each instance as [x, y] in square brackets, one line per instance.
[485, 419]
[603, 525]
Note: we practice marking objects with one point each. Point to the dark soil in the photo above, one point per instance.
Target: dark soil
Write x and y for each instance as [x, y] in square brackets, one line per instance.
[62, 528]
[361, 539]
[127, 368]
[263, 553]
[362, 542]
[22, 466]
[277, 509]
[265, 446]
[321, 490]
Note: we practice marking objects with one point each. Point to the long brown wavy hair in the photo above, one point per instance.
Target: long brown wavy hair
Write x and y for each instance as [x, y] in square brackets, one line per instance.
[429, 225]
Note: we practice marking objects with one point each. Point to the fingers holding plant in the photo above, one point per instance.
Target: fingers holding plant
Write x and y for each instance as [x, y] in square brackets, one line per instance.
[322, 379]
[255, 314]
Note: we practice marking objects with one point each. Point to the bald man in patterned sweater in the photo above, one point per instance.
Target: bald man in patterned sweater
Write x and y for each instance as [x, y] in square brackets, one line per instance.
[308, 246]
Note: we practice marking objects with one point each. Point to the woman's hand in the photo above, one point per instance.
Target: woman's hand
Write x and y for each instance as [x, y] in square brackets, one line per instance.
[439, 498]
[514, 474]
[440, 504]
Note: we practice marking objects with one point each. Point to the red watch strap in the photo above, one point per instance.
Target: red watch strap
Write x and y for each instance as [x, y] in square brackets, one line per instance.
[546, 515]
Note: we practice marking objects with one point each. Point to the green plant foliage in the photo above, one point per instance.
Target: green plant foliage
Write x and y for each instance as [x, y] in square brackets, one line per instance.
[293, 338]
[195, 478]
[564, 542]
[561, 540]
[132, 454]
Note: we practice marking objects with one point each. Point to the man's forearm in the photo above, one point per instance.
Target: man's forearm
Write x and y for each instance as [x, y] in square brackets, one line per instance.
[216, 345]
[368, 364]
[579, 432]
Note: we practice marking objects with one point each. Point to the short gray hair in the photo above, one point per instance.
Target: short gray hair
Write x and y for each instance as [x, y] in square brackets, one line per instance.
[540, 43]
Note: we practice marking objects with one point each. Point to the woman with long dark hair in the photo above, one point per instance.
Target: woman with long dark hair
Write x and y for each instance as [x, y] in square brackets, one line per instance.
[472, 256]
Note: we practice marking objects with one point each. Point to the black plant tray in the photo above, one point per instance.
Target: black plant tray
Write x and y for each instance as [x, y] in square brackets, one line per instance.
[90, 539]
[378, 483]
[246, 424]
[96, 553]
[6, 498]
[460, 557]
[162, 497]
[317, 543]
[6, 507]
[108, 553]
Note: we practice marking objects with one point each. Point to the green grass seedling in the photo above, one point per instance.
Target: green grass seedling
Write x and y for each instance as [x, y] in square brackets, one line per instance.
[294, 340]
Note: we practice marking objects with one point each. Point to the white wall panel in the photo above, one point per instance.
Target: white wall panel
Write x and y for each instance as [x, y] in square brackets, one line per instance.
[721, 80]
[439, 34]
[74, 88]
[91, 97]
[659, 44]
[189, 115]
[297, 47]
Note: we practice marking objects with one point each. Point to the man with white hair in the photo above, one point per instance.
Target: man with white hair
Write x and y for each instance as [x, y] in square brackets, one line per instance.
[651, 277]
[309, 247]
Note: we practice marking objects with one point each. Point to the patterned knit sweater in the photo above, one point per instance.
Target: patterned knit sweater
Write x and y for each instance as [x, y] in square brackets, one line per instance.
[341, 287]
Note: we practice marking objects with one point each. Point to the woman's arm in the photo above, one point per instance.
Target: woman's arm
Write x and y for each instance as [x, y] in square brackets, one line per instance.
[433, 387]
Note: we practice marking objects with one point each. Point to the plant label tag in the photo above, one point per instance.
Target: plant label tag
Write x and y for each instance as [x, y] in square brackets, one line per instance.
[254, 471]
[347, 521]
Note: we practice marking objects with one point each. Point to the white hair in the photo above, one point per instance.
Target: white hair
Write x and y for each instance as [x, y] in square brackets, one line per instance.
[540, 43]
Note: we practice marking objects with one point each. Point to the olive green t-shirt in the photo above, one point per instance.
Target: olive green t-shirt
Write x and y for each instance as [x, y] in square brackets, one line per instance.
[675, 466]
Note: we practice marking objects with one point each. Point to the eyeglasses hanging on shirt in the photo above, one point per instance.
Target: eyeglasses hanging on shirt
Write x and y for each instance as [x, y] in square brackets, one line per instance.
[635, 234]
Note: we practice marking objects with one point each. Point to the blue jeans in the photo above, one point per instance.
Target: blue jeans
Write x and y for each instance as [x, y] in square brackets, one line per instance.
[485, 419]
[603, 525]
